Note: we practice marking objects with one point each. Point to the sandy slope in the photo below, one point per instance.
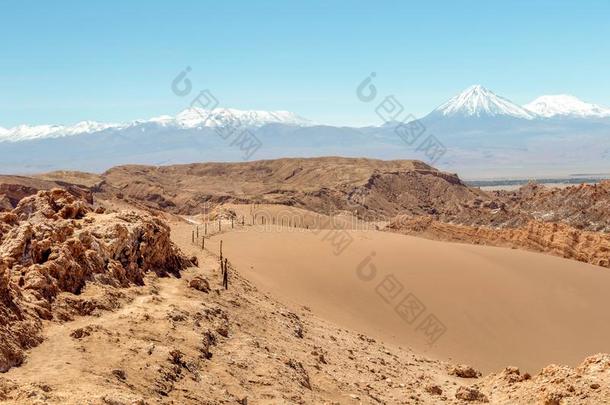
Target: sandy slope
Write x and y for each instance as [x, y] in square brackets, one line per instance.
[171, 344]
[500, 306]
[167, 343]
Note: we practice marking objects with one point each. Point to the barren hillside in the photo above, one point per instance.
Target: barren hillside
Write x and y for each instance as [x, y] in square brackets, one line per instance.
[91, 322]
[584, 206]
[373, 188]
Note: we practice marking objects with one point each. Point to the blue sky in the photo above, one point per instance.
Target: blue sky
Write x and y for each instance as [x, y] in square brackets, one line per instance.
[66, 61]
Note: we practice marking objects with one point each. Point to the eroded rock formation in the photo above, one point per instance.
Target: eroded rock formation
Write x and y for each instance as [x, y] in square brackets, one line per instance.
[53, 243]
[555, 238]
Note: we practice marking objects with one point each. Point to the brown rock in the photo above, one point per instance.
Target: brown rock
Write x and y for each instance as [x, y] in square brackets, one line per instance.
[301, 373]
[120, 374]
[464, 371]
[200, 284]
[470, 394]
[46, 240]
[552, 398]
[434, 390]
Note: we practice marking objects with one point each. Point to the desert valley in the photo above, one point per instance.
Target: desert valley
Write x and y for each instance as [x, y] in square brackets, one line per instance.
[305, 280]
[304, 202]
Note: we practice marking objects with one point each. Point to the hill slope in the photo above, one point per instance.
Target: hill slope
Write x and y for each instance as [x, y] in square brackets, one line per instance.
[367, 186]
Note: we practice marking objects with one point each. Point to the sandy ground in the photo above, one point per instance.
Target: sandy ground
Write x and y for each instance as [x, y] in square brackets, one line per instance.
[167, 343]
[171, 344]
[271, 215]
[489, 307]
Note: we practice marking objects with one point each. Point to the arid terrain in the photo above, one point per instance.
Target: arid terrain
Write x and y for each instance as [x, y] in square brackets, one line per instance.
[386, 284]
[111, 289]
[412, 197]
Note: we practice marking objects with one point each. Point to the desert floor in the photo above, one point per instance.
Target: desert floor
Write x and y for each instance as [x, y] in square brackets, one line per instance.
[497, 306]
[298, 322]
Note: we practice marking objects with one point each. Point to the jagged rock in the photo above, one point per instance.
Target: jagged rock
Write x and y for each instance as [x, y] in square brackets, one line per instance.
[47, 246]
[302, 375]
[512, 375]
[464, 371]
[295, 323]
[81, 333]
[470, 394]
[208, 340]
[177, 357]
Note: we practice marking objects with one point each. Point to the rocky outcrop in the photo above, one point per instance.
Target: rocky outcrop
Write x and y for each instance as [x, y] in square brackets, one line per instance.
[554, 238]
[11, 194]
[583, 206]
[14, 188]
[53, 243]
[554, 385]
[464, 371]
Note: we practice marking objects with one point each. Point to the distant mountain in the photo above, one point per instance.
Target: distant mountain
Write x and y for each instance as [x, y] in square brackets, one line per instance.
[197, 117]
[482, 135]
[27, 132]
[565, 106]
[477, 101]
[189, 118]
[489, 136]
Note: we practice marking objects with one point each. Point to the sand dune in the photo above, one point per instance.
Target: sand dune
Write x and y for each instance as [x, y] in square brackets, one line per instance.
[496, 306]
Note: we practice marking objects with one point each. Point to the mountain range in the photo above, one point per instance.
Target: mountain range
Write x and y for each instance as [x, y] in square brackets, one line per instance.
[482, 135]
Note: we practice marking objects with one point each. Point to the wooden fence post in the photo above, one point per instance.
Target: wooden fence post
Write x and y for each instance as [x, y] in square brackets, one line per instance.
[225, 275]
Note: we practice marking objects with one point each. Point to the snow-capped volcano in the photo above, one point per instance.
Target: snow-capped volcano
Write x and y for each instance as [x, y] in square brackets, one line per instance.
[476, 127]
[477, 101]
[189, 118]
[565, 105]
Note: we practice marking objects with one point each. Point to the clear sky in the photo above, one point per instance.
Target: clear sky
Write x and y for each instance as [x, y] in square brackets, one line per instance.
[67, 61]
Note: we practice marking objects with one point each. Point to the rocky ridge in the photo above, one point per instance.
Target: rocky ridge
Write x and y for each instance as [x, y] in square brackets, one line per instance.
[554, 238]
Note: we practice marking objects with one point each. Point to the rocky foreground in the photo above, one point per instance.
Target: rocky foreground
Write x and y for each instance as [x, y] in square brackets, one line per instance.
[53, 244]
[88, 316]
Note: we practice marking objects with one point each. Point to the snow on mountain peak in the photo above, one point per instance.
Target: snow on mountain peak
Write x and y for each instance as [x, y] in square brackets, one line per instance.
[477, 101]
[189, 118]
[565, 105]
[30, 132]
[194, 117]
